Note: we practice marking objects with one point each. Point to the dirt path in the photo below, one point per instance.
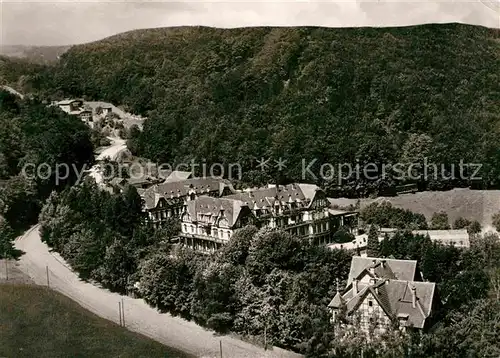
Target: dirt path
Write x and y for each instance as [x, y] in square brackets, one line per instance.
[171, 331]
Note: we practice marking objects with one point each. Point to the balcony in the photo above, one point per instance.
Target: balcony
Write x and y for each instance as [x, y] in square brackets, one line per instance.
[204, 237]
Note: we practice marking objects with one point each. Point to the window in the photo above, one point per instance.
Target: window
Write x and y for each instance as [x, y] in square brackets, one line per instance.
[370, 303]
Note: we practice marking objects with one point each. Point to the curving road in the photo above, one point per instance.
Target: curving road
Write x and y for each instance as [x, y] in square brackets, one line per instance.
[112, 151]
[117, 146]
[139, 317]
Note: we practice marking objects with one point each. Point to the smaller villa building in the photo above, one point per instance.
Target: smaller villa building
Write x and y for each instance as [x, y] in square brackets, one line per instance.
[381, 293]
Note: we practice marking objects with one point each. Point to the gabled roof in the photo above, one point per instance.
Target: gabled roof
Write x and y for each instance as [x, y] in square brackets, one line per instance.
[337, 301]
[395, 298]
[335, 212]
[139, 180]
[446, 236]
[303, 194]
[391, 286]
[67, 102]
[177, 190]
[400, 269]
[208, 205]
[178, 175]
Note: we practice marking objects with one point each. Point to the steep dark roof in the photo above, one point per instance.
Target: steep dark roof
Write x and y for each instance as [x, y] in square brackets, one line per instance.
[395, 298]
[208, 205]
[173, 191]
[399, 269]
[178, 175]
[303, 194]
[391, 285]
[337, 301]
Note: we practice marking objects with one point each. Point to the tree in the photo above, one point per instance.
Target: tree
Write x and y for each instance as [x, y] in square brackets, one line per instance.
[342, 235]
[474, 227]
[272, 249]
[117, 266]
[372, 245]
[7, 237]
[471, 332]
[495, 219]
[415, 151]
[385, 215]
[439, 221]
[461, 223]
[236, 250]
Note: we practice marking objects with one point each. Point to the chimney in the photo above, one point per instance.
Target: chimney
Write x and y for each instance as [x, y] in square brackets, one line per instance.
[383, 263]
[355, 286]
[372, 268]
[413, 296]
[250, 194]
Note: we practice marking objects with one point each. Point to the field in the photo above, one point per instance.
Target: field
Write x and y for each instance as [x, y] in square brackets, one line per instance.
[477, 205]
[38, 322]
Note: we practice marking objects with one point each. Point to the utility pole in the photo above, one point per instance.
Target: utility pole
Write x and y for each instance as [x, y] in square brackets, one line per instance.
[120, 312]
[265, 336]
[47, 272]
[123, 314]
[6, 269]
[220, 346]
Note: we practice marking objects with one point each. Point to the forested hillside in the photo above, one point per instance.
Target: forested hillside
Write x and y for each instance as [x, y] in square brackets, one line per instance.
[15, 72]
[34, 141]
[361, 95]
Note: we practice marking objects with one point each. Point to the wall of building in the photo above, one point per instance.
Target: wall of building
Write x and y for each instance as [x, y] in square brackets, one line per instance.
[371, 314]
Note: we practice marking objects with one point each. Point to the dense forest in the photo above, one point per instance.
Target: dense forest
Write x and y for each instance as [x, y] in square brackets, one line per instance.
[34, 140]
[17, 72]
[357, 96]
[267, 285]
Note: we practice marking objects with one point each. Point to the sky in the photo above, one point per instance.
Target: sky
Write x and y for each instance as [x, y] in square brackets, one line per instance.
[66, 22]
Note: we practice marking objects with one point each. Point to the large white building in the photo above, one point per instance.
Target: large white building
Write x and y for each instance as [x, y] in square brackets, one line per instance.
[300, 209]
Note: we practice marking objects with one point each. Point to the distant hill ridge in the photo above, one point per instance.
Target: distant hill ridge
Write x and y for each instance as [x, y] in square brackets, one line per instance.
[36, 54]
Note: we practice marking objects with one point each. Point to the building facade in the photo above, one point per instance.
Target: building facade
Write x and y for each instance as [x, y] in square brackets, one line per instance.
[382, 293]
[458, 238]
[208, 222]
[70, 105]
[166, 200]
[300, 209]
